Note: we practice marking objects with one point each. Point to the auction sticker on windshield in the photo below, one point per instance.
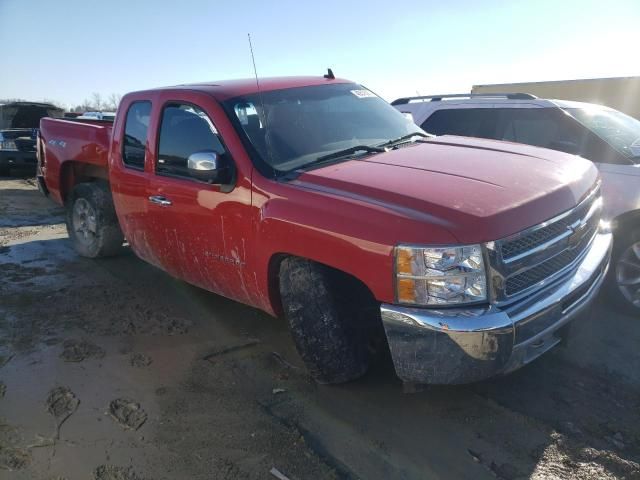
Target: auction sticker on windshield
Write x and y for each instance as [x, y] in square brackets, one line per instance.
[363, 93]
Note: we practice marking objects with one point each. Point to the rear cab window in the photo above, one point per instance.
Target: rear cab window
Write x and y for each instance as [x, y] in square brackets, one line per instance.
[136, 130]
[185, 129]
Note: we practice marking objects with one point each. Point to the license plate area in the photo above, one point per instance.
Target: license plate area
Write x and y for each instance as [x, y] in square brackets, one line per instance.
[540, 346]
[530, 327]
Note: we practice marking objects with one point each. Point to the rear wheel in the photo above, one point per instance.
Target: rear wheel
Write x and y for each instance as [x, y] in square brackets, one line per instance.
[329, 317]
[624, 277]
[91, 221]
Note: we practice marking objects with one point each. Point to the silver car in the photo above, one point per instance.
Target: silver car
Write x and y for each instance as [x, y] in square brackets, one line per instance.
[603, 135]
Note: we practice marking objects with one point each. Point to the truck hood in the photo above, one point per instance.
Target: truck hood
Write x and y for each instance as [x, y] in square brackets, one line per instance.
[479, 190]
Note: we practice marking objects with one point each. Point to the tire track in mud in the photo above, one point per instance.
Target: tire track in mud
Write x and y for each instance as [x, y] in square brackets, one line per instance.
[314, 443]
[575, 406]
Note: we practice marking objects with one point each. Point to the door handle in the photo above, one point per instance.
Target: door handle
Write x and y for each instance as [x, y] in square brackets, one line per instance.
[160, 200]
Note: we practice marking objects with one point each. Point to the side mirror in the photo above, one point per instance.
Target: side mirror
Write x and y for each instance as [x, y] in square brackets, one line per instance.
[206, 166]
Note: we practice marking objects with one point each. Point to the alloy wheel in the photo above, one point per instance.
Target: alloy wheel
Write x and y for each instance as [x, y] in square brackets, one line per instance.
[84, 221]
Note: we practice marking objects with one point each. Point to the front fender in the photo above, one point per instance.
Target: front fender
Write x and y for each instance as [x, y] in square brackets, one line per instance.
[344, 233]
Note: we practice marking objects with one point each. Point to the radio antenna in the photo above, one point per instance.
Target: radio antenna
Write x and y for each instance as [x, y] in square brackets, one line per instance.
[264, 112]
[253, 60]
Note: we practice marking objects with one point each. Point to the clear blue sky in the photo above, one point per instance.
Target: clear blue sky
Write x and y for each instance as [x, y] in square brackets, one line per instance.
[66, 49]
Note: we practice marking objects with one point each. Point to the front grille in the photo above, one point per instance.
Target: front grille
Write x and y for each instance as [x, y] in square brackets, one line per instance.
[535, 239]
[546, 233]
[546, 269]
[545, 251]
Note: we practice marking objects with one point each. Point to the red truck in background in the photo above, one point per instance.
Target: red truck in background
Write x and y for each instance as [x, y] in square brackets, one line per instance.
[313, 198]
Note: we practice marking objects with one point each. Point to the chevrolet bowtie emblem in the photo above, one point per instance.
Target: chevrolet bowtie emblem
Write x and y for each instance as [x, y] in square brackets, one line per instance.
[577, 232]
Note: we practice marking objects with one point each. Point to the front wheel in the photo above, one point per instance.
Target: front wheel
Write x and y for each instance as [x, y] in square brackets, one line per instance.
[624, 277]
[91, 221]
[328, 316]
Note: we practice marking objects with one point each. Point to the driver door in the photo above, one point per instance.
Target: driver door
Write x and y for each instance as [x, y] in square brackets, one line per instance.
[194, 225]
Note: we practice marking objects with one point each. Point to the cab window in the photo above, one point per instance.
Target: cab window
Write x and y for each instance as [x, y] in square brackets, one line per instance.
[135, 134]
[185, 129]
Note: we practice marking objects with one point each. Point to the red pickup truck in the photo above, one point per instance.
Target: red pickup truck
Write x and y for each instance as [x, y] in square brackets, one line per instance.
[313, 198]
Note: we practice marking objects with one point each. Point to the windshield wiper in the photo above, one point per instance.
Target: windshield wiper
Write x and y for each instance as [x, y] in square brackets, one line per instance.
[360, 148]
[332, 156]
[346, 152]
[403, 138]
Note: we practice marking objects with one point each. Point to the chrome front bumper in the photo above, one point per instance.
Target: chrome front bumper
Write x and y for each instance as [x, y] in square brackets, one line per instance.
[462, 345]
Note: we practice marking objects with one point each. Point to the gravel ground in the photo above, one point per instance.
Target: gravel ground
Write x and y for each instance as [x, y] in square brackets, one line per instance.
[110, 369]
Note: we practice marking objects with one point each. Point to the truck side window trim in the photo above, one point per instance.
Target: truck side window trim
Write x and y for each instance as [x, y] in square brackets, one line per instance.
[136, 135]
[197, 111]
[263, 167]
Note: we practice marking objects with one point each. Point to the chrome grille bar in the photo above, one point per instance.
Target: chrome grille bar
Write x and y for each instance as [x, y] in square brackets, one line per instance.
[523, 262]
[541, 236]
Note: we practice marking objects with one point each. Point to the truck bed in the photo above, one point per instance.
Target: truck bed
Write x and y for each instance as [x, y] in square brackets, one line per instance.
[69, 148]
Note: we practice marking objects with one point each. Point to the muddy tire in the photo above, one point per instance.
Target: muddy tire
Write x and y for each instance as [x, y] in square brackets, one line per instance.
[91, 221]
[623, 280]
[324, 316]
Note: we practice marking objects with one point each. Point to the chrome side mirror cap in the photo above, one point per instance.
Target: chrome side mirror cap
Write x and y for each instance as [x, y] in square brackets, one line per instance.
[205, 166]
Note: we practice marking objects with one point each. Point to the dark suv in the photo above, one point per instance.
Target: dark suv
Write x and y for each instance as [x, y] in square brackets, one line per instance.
[19, 122]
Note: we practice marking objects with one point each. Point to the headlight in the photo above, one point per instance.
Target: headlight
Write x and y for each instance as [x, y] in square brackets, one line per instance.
[440, 275]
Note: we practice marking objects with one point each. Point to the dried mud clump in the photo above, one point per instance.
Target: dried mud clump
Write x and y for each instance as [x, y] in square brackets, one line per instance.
[127, 413]
[13, 458]
[79, 350]
[140, 360]
[111, 472]
[61, 403]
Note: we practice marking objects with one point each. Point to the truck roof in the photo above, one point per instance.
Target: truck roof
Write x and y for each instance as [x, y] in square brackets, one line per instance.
[226, 89]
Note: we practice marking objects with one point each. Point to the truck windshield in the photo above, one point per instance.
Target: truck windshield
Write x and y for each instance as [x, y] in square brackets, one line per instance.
[620, 131]
[306, 123]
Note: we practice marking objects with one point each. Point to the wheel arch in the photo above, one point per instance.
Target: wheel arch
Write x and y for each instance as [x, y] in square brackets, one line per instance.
[273, 278]
[626, 221]
[73, 173]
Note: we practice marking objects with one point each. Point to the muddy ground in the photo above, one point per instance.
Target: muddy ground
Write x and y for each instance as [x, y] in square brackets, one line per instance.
[111, 369]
